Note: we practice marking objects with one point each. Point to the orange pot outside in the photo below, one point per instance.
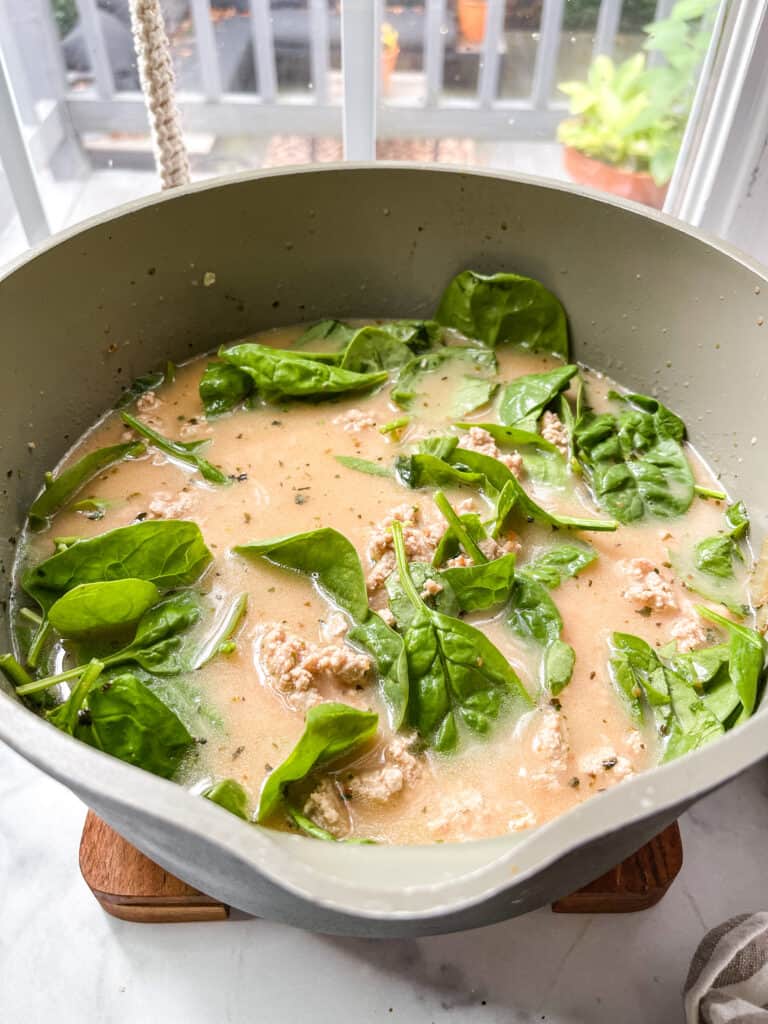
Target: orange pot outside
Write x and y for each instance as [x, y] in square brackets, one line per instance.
[636, 185]
[389, 57]
[472, 17]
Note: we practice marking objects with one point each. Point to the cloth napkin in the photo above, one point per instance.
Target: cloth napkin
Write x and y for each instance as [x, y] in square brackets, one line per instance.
[728, 979]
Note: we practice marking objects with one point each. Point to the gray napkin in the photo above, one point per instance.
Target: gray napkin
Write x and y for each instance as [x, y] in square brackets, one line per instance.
[728, 979]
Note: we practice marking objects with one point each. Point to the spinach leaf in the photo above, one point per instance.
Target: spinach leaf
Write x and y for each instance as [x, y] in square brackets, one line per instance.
[559, 661]
[156, 646]
[387, 346]
[560, 563]
[400, 604]
[363, 465]
[477, 587]
[223, 388]
[101, 607]
[331, 731]
[167, 553]
[146, 382]
[449, 545]
[511, 437]
[281, 373]
[500, 308]
[716, 556]
[471, 394]
[181, 451]
[220, 639]
[58, 490]
[230, 795]
[634, 461]
[331, 561]
[692, 724]
[405, 388]
[737, 519]
[326, 330]
[637, 671]
[456, 673]
[124, 718]
[746, 658]
[526, 398]
[532, 613]
[514, 499]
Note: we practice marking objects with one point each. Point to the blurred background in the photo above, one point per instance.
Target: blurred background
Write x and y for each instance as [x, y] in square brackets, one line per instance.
[593, 91]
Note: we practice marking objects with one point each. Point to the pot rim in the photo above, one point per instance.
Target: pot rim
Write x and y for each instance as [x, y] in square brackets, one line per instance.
[493, 870]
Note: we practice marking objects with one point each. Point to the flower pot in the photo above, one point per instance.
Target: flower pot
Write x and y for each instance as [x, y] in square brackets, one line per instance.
[472, 16]
[619, 181]
[389, 57]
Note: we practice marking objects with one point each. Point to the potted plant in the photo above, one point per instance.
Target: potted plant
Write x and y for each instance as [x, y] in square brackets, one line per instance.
[628, 120]
[472, 16]
[390, 51]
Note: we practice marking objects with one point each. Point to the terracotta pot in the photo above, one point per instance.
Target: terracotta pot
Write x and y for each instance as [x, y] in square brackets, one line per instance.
[636, 185]
[472, 16]
[389, 57]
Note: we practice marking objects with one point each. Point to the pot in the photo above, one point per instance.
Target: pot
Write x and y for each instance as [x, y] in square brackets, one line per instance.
[638, 186]
[472, 16]
[97, 306]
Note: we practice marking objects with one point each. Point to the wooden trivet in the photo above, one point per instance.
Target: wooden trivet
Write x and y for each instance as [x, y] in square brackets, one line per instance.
[130, 886]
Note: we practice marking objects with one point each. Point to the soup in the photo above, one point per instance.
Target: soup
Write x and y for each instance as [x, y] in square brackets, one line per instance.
[397, 582]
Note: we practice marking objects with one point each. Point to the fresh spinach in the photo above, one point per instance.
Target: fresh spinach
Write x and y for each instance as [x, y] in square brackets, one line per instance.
[559, 563]
[331, 561]
[181, 451]
[167, 553]
[634, 461]
[511, 437]
[146, 382]
[156, 646]
[513, 499]
[332, 731]
[281, 373]
[220, 639]
[223, 388]
[326, 330]
[716, 556]
[559, 662]
[363, 465]
[692, 724]
[526, 398]
[58, 490]
[501, 308]
[456, 673]
[405, 389]
[400, 605]
[746, 657]
[532, 613]
[230, 795]
[102, 607]
[122, 717]
[637, 671]
[472, 393]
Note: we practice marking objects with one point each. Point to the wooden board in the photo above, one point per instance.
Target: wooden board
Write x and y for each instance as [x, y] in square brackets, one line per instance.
[130, 886]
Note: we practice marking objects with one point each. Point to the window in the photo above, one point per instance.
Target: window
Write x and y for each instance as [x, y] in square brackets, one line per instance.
[598, 92]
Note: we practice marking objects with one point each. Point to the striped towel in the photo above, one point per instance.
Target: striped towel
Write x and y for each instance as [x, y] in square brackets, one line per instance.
[728, 979]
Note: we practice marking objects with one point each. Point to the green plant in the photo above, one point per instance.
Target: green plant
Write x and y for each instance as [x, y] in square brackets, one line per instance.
[633, 115]
[65, 14]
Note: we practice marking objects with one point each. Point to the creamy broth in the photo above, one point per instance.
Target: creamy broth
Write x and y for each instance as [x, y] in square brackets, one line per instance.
[526, 771]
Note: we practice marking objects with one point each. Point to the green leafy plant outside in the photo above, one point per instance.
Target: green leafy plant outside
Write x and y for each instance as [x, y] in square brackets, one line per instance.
[633, 115]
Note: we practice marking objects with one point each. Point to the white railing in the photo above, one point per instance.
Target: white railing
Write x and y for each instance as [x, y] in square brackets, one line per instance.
[29, 128]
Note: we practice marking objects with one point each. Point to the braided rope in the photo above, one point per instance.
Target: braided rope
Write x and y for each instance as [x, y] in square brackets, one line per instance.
[157, 83]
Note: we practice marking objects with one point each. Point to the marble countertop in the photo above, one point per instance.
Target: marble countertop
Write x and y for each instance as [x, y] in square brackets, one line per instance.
[60, 952]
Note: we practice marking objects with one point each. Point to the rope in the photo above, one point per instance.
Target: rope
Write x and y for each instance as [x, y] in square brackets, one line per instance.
[157, 83]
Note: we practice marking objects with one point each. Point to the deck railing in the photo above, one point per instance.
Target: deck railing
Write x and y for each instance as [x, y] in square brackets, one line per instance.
[336, 103]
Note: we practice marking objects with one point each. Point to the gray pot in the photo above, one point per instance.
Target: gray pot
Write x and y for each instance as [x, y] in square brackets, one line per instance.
[649, 302]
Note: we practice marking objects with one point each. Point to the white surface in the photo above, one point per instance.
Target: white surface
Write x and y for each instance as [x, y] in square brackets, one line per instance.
[59, 953]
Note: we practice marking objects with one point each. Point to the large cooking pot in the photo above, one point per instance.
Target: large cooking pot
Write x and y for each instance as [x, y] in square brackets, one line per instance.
[650, 302]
